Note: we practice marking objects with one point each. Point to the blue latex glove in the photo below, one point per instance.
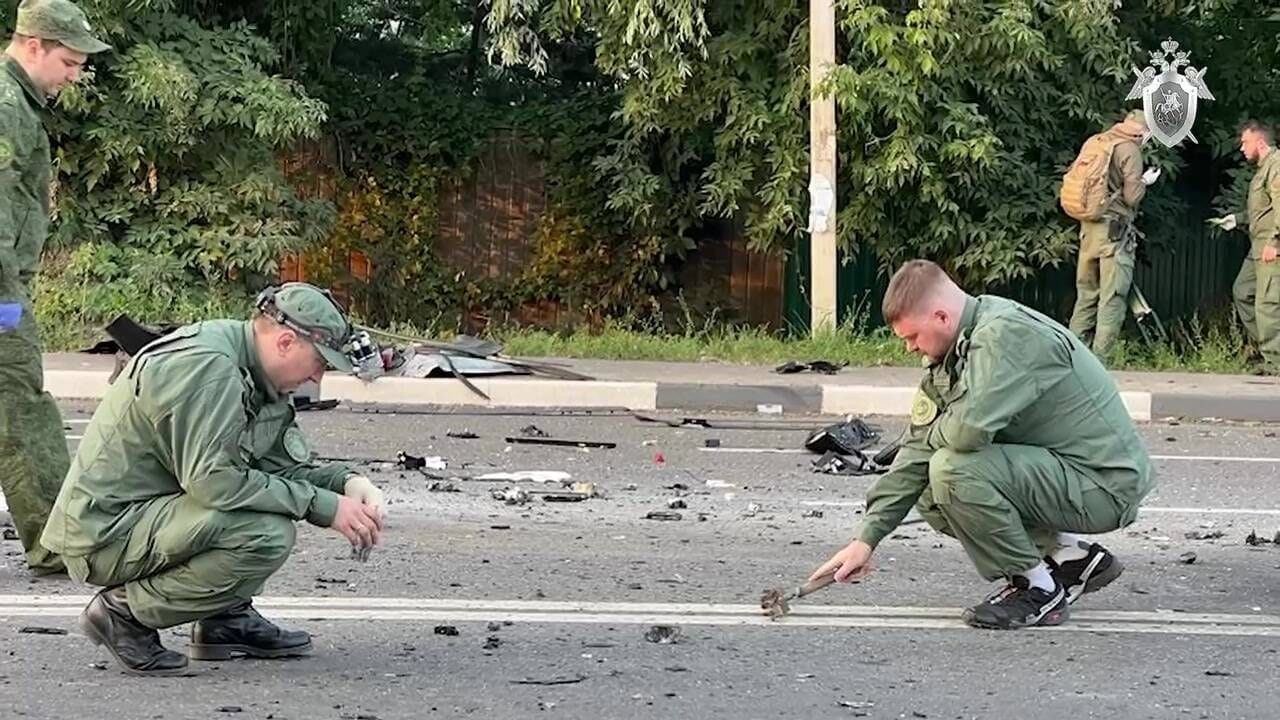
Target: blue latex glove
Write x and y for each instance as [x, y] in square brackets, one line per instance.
[10, 316]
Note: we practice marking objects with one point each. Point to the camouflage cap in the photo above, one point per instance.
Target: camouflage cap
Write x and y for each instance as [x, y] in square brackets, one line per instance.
[60, 20]
[314, 310]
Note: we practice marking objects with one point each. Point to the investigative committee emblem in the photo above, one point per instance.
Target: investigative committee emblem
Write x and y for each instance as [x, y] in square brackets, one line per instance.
[1168, 97]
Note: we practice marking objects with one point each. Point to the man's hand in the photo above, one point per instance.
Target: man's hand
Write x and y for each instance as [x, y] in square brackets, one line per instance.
[360, 524]
[1268, 254]
[1226, 222]
[1150, 176]
[853, 563]
[359, 488]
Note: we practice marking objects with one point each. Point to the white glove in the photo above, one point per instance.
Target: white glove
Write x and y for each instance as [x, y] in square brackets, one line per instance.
[358, 487]
[1226, 222]
[1150, 176]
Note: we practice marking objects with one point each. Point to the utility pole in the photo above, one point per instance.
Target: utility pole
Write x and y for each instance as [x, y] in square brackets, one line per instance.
[822, 169]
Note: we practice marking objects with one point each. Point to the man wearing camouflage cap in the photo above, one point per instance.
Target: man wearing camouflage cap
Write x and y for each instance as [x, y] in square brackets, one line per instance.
[182, 497]
[51, 43]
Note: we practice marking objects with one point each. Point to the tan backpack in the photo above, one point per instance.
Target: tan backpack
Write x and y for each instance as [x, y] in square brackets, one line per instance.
[1083, 194]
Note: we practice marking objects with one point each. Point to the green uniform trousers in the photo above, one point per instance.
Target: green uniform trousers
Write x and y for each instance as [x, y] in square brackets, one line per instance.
[1257, 300]
[33, 447]
[1104, 275]
[1006, 504]
[183, 561]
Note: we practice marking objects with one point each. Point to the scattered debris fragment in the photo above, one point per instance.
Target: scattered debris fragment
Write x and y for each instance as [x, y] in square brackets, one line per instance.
[711, 442]
[411, 462]
[1187, 558]
[1218, 673]
[551, 681]
[462, 435]
[662, 634]
[849, 464]
[775, 601]
[331, 581]
[533, 431]
[304, 405]
[1255, 540]
[534, 476]
[677, 504]
[447, 630]
[818, 366]
[493, 627]
[844, 438]
[10, 534]
[811, 514]
[492, 642]
[228, 709]
[663, 515]
[752, 510]
[442, 486]
[769, 409]
[1204, 534]
[560, 442]
[38, 630]
[724, 423]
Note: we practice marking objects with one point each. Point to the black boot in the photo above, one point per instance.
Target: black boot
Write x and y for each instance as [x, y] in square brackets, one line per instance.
[241, 630]
[108, 622]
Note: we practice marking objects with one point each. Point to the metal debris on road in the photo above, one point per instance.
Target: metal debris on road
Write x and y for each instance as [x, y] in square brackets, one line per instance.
[776, 601]
[844, 438]
[560, 442]
[462, 435]
[1187, 558]
[1203, 534]
[551, 681]
[446, 630]
[39, 630]
[663, 515]
[412, 462]
[533, 431]
[662, 634]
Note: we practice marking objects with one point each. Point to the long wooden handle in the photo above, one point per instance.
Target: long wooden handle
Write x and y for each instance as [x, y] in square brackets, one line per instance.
[816, 585]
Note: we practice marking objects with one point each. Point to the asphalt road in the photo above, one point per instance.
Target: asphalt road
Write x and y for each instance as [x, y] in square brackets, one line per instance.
[552, 600]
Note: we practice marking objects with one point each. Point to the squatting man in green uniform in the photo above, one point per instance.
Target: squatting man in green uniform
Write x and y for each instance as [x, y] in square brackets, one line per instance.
[182, 497]
[1018, 438]
[1257, 286]
[51, 43]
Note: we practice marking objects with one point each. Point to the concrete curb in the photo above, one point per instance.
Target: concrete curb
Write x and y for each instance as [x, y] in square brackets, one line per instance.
[793, 399]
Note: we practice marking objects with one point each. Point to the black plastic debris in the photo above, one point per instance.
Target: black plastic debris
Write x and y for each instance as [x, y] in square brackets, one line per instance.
[818, 366]
[845, 438]
[663, 515]
[855, 463]
[1187, 558]
[564, 443]
[533, 431]
[551, 681]
[446, 630]
[39, 630]
[462, 435]
[662, 634]
[410, 462]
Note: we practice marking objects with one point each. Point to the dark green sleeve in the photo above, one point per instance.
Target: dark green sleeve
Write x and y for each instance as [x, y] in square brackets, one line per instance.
[331, 477]
[203, 432]
[11, 147]
[891, 497]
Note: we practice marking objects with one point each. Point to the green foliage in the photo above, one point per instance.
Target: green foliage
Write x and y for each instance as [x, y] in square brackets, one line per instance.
[956, 119]
[166, 157]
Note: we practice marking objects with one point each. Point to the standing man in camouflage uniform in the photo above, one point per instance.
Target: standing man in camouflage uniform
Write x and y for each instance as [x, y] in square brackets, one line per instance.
[51, 44]
[1257, 286]
[183, 495]
[1018, 438]
[1104, 272]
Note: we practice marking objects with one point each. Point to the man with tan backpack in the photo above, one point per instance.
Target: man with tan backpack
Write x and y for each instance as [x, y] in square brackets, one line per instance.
[1102, 190]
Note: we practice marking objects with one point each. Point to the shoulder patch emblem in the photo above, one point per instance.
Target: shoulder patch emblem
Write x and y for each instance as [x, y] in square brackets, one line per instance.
[295, 443]
[923, 409]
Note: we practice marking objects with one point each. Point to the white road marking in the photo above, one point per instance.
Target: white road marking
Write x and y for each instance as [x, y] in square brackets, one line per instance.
[708, 614]
[75, 437]
[872, 451]
[1148, 509]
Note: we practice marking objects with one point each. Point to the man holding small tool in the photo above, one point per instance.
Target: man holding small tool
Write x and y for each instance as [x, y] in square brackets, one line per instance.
[182, 497]
[1018, 437]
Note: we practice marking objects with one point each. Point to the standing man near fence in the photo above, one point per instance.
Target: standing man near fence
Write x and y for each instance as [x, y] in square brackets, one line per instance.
[1257, 286]
[52, 41]
[1102, 190]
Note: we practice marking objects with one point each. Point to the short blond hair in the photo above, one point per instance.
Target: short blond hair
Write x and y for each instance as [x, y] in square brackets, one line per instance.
[913, 284]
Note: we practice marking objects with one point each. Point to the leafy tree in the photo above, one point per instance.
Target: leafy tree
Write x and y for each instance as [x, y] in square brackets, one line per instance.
[167, 153]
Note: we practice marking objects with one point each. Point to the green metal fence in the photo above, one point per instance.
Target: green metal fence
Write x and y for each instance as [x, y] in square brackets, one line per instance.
[1186, 274]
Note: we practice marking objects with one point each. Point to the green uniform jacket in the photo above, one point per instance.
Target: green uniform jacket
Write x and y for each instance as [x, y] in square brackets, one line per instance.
[1013, 376]
[192, 413]
[24, 180]
[1260, 208]
[1124, 179]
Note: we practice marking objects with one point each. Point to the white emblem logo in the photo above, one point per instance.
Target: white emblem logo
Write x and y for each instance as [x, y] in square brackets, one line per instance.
[1169, 98]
